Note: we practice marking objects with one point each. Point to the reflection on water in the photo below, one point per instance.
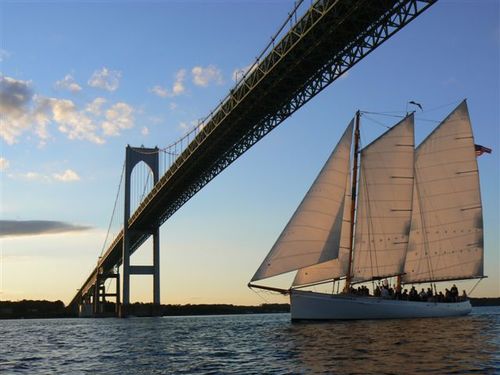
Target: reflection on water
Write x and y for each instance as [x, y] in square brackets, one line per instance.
[252, 344]
[446, 345]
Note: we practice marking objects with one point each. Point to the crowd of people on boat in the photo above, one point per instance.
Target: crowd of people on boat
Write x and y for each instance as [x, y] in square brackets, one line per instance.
[387, 292]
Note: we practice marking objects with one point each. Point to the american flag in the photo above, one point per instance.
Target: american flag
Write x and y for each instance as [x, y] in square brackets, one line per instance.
[481, 150]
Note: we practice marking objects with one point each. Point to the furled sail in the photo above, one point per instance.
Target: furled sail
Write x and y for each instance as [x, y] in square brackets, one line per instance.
[335, 268]
[384, 203]
[446, 237]
[313, 233]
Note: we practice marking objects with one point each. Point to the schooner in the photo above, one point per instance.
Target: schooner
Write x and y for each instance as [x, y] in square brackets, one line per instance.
[411, 213]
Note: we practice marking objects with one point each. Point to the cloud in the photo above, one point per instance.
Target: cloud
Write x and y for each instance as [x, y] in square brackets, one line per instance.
[15, 97]
[178, 87]
[67, 176]
[159, 91]
[240, 72]
[95, 105]
[68, 83]
[172, 106]
[4, 164]
[31, 176]
[24, 111]
[4, 54]
[204, 76]
[75, 124]
[17, 228]
[144, 130]
[118, 117]
[105, 79]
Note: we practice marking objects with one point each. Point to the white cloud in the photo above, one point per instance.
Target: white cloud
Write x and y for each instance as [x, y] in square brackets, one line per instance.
[118, 117]
[172, 106]
[68, 83]
[25, 112]
[185, 127]
[4, 54]
[178, 87]
[159, 91]
[75, 124]
[4, 164]
[204, 76]
[95, 105]
[67, 176]
[105, 79]
[144, 130]
[32, 176]
[240, 72]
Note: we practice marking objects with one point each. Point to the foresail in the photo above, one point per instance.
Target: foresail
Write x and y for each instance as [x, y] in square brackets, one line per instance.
[384, 203]
[313, 233]
[446, 237]
[335, 268]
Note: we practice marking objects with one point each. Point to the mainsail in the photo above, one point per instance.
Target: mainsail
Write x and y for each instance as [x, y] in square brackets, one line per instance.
[446, 237]
[384, 203]
[313, 233]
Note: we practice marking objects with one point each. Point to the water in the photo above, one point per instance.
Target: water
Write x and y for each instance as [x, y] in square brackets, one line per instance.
[252, 344]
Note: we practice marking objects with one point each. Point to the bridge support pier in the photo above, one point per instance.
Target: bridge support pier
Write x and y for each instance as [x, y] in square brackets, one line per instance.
[150, 157]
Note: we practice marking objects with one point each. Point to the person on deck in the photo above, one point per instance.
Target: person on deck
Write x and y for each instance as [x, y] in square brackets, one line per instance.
[404, 296]
[463, 297]
[413, 294]
[422, 295]
[454, 293]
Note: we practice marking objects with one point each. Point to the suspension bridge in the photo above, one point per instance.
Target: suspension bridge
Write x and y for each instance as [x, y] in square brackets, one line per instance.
[315, 45]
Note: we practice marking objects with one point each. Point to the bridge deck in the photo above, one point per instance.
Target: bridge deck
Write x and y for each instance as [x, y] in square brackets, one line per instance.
[330, 38]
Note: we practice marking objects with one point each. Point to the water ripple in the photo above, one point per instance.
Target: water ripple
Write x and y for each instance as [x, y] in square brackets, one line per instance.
[252, 344]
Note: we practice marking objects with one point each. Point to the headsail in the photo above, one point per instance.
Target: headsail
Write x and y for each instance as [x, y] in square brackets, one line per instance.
[313, 233]
[384, 203]
[335, 268]
[446, 237]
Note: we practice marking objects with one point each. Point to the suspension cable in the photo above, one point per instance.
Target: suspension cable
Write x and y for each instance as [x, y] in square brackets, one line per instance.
[114, 209]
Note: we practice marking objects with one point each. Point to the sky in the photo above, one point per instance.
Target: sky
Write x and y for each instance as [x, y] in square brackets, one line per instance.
[80, 80]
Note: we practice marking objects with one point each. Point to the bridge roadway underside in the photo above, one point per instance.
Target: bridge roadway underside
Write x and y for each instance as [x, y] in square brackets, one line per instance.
[329, 39]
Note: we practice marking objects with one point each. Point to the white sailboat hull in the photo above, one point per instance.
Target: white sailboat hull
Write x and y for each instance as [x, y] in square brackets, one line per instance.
[306, 305]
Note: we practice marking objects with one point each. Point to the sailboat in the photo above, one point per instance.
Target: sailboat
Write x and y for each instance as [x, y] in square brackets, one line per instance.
[408, 213]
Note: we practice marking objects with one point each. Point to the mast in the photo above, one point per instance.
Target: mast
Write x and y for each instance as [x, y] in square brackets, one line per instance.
[353, 201]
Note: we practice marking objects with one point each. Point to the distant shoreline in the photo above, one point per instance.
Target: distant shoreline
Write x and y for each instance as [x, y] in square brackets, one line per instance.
[29, 309]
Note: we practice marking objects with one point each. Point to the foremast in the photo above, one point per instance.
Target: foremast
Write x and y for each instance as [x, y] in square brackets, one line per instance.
[354, 177]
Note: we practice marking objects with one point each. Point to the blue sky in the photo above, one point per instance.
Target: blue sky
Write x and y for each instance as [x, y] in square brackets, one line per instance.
[88, 78]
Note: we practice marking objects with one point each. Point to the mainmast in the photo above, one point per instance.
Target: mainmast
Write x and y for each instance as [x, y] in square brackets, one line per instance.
[353, 200]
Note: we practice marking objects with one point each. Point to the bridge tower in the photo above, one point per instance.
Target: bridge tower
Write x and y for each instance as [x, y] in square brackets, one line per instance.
[133, 156]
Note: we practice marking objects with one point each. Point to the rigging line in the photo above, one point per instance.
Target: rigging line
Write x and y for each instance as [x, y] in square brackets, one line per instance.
[386, 114]
[114, 208]
[376, 122]
[442, 106]
[474, 287]
[423, 224]
[371, 230]
[259, 295]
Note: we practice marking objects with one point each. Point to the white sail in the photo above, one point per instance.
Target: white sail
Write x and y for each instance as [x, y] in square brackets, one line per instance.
[446, 237]
[313, 233]
[335, 268]
[384, 203]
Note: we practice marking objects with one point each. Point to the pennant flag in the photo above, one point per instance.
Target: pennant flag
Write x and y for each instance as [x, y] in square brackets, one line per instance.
[481, 150]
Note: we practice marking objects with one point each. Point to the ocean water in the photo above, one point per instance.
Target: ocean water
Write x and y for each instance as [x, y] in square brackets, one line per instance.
[252, 344]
